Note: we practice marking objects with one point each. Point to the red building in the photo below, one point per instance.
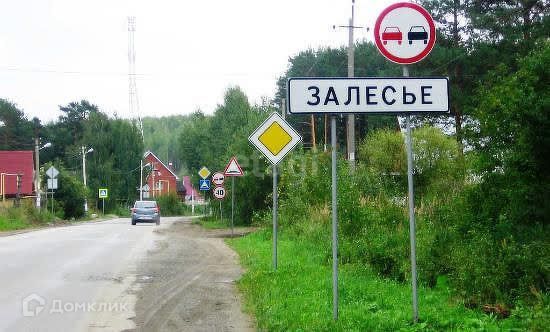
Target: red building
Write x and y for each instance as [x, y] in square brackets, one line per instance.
[11, 164]
[162, 180]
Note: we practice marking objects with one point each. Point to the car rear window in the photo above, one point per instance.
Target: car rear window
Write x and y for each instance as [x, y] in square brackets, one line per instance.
[146, 204]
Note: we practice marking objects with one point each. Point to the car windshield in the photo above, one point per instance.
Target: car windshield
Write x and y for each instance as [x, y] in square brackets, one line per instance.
[417, 28]
[391, 29]
[146, 204]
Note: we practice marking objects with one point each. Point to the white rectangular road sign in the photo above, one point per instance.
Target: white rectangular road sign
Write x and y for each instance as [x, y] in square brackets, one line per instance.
[52, 184]
[368, 95]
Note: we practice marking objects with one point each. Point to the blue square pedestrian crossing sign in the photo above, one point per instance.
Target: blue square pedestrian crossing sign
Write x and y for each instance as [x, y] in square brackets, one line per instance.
[204, 184]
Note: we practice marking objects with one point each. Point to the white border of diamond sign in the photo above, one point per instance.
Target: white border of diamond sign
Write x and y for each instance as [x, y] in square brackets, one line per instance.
[295, 138]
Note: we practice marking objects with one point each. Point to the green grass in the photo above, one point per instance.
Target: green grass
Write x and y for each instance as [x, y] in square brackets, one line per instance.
[26, 216]
[213, 222]
[298, 296]
[12, 224]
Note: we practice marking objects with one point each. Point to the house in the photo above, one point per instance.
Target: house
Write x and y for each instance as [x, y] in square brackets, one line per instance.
[190, 192]
[162, 179]
[11, 164]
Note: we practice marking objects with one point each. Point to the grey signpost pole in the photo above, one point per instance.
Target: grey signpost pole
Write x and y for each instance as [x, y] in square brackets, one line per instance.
[412, 222]
[274, 216]
[232, 203]
[334, 219]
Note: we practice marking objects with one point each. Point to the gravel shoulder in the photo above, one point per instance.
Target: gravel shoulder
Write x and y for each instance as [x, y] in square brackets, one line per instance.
[188, 283]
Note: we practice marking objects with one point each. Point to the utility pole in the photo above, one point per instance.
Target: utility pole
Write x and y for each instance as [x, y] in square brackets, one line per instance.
[37, 171]
[37, 149]
[351, 73]
[154, 186]
[84, 152]
[84, 178]
[350, 132]
[141, 179]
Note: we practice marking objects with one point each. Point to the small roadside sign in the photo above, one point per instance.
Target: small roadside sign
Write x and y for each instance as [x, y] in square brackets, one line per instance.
[103, 193]
[275, 138]
[219, 192]
[233, 168]
[52, 184]
[204, 184]
[218, 178]
[404, 33]
[52, 172]
[204, 172]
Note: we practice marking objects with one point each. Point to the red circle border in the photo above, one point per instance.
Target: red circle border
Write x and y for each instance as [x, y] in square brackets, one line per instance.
[386, 53]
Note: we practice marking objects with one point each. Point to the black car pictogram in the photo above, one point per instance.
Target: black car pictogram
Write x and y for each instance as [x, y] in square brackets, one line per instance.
[417, 32]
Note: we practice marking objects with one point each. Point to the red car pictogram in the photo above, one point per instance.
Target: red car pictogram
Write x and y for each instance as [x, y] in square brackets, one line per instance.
[392, 33]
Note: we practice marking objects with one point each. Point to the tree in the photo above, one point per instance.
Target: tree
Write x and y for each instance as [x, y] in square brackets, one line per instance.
[16, 132]
[512, 139]
[75, 114]
[514, 21]
[70, 194]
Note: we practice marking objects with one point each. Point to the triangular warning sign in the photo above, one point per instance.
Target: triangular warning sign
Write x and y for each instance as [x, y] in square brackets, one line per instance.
[233, 168]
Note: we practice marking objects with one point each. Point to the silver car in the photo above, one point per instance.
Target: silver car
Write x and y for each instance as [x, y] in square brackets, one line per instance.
[146, 211]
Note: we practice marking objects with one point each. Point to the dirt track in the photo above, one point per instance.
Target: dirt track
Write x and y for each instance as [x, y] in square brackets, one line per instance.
[188, 283]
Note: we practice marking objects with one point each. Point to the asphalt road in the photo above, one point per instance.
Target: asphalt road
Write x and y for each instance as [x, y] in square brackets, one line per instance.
[84, 277]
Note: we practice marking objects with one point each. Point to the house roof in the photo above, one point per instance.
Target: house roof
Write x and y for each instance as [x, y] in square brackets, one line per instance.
[189, 187]
[160, 161]
[17, 162]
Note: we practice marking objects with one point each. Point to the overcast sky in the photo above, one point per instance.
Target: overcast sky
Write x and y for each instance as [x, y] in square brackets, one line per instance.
[188, 53]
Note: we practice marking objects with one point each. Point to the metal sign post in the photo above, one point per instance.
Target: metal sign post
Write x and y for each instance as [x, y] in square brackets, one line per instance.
[275, 138]
[233, 169]
[275, 221]
[334, 220]
[412, 222]
[232, 205]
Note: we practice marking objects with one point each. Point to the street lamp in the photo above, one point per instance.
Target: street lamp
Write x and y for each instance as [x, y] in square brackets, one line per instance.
[84, 153]
[141, 178]
[37, 148]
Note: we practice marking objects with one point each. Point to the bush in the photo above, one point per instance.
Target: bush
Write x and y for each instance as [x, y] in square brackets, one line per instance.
[462, 235]
[170, 205]
[70, 195]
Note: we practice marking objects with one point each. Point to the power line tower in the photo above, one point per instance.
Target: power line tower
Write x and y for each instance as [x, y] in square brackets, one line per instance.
[133, 101]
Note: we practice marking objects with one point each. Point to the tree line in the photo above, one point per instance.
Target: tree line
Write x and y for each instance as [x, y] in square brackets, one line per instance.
[114, 162]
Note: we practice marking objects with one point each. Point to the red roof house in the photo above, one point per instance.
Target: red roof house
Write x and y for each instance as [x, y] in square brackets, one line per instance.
[11, 164]
[162, 179]
[190, 191]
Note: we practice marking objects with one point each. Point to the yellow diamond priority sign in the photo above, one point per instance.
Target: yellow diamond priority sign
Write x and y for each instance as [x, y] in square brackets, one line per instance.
[275, 138]
[204, 172]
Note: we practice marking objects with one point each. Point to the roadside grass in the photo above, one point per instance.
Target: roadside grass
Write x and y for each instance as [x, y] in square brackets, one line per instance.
[12, 224]
[213, 222]
[298, 296]
[26, 216]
